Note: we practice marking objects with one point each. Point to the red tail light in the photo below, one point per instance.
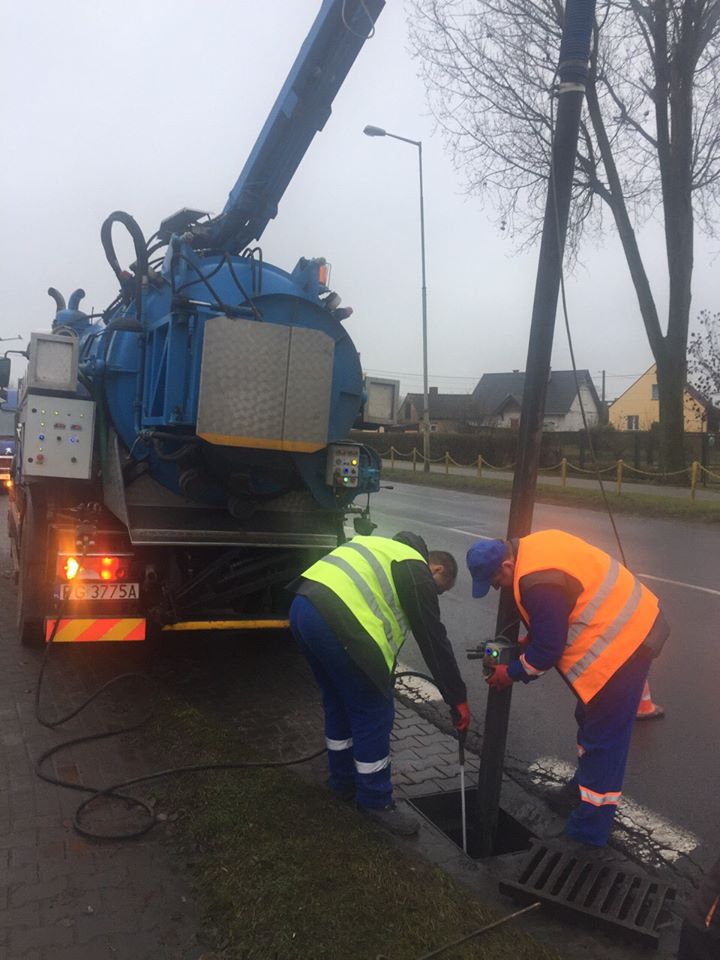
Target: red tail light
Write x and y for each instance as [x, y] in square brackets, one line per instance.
[92, 568]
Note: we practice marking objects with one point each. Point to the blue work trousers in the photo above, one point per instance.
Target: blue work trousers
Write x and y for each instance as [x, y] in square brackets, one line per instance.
[358, 716]
[605, 726]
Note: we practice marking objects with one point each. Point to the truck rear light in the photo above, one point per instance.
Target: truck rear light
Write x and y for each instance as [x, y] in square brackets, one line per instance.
[93, 568]
[110, 568]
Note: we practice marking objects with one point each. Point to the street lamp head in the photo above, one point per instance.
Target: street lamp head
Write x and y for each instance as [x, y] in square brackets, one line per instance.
[374, 132]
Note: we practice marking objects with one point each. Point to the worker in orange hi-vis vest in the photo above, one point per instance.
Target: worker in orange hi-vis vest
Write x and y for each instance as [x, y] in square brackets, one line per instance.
[589, 617]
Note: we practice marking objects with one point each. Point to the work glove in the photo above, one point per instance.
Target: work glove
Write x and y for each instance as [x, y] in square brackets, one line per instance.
[461, 716]
[499, 679]
[523, 642]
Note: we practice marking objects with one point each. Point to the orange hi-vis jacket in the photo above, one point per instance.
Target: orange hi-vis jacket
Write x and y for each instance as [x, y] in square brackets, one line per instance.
[613, 613]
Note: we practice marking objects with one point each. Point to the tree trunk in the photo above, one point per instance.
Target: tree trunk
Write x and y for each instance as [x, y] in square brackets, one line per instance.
[671, 391]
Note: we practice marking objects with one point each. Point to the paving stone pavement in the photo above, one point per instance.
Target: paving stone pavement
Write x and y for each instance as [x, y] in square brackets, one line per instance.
[63, 897]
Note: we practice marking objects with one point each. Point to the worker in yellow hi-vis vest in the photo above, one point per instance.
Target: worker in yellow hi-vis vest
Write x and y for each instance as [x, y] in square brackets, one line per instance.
[351, 614]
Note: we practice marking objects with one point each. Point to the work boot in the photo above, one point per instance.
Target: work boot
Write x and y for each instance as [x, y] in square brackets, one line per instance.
[582, 850]
[394, 820]
[564, 798]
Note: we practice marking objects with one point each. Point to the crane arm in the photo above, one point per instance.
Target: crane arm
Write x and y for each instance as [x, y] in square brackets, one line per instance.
[300, 111]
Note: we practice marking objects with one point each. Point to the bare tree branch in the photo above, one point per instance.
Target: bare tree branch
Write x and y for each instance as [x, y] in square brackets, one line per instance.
[650, 137]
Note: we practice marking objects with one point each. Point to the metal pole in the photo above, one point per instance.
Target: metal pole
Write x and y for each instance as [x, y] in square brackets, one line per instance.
[426, 404]
[572, 72]
[371, 131]
[461, 763]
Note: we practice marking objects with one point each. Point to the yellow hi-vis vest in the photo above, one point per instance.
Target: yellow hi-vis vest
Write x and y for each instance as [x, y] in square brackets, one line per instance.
[359, 573]
[611, 618]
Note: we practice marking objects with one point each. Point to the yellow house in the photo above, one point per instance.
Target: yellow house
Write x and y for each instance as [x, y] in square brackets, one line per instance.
[639, 407]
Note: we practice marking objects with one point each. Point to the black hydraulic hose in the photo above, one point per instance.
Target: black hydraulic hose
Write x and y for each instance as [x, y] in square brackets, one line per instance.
[113, 791]
[241, 288]
[133, 228]
[201, 277]
[204, 276]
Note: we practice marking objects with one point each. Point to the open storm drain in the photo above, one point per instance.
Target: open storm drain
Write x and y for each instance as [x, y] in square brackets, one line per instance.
[608, 891]
[444, 810]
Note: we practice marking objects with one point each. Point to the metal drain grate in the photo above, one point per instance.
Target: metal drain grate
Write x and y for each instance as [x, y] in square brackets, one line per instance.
[606, 890]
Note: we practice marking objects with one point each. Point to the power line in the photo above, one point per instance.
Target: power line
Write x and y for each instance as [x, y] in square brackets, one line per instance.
[435, 376]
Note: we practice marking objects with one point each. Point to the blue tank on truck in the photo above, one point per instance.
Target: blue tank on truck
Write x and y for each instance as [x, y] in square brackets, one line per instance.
[185, 453]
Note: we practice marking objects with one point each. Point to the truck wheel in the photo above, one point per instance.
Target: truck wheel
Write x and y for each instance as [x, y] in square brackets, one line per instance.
[30, 581]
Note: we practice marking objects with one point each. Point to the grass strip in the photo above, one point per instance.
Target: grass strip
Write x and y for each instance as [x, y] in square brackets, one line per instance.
[285, 871]
[639, 504]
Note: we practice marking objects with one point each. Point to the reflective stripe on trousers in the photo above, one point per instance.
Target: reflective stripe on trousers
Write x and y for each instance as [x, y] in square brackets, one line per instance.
[604, 640]
[338, 744]
[382, 579]
[367, 596]
[374, 767]
[599, 799]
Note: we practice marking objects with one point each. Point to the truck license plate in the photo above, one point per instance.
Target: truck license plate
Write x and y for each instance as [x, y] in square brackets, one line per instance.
[98, 591]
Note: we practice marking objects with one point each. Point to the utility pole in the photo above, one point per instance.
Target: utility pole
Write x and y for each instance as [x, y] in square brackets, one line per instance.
[572, 74]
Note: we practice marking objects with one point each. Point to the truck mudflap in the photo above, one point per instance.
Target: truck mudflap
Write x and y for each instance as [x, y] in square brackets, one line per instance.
[94, 629]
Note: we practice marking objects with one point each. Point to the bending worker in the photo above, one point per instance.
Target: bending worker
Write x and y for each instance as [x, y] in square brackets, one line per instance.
[591, 618]
[350, 617]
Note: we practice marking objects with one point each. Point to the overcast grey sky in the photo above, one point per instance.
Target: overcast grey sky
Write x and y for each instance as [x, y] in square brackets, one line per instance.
[152, 105]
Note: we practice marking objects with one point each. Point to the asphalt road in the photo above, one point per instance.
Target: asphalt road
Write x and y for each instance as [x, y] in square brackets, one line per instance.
[674, 766]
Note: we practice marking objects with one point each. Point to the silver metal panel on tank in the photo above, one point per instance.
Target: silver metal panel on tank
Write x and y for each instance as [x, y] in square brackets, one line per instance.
[309, 380]
[265, 385]
[242, 381]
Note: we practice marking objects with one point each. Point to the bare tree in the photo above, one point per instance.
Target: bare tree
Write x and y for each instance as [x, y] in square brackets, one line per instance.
[704, 355]
[649, 140]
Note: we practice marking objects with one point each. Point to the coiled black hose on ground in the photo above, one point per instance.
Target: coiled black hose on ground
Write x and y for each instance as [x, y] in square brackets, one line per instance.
[113, 791]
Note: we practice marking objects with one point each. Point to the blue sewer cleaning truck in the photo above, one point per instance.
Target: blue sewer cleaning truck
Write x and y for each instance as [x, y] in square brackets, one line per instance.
[183, 454]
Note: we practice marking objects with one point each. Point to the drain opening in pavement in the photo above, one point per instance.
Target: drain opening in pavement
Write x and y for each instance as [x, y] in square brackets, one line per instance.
[443, 810]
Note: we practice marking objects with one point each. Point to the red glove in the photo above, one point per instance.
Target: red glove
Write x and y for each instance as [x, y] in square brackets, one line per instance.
[499, 679]
[461, 716]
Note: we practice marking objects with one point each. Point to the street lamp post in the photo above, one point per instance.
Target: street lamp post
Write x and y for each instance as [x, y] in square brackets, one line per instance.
[379, 132]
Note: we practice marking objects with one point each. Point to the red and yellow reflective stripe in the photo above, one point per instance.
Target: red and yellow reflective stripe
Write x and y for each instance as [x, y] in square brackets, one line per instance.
[88, 630]
[600, 799]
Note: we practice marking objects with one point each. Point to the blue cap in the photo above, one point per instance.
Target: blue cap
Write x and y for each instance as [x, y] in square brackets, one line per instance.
[483, 559]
